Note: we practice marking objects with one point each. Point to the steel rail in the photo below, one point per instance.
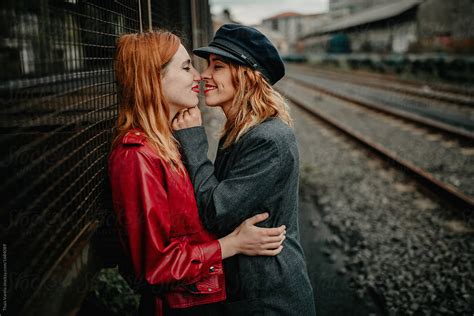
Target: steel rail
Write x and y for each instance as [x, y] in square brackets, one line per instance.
[426, 122]
[466, 92]
[411, 90]
[446, 191]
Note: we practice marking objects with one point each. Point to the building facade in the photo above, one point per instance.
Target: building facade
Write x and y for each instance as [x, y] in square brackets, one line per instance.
[293, 26]
[399, 27]
[446, 26]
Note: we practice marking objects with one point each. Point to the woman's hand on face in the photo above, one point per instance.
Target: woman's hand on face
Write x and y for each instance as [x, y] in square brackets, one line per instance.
[187, 118]
[257, 241]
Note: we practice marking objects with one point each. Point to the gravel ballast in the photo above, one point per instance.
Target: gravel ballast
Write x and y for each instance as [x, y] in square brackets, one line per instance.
[398, 245]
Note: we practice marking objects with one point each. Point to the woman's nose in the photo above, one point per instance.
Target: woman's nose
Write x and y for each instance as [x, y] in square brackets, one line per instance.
[197, 75]
[206, 74]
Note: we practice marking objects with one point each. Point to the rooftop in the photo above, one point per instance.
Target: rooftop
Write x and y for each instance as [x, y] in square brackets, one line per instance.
[371, 15]
[283, 15]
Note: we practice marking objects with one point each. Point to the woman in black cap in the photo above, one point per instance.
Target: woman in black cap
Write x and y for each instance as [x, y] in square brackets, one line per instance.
[173, 262]
[256, 170]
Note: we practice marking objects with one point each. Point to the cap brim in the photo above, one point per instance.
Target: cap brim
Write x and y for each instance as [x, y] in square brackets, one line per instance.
[204, 52]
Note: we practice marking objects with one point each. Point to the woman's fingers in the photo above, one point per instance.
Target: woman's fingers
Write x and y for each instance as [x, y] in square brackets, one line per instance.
[187, 118]
[274, 231]
[195, 112]
[257, 218]
[273, 244]
[174, 124]
[273, 252]
[182, 120]
[274, 239]
[185, 115]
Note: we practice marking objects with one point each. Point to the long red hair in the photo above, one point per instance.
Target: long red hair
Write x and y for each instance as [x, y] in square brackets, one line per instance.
[140, 63]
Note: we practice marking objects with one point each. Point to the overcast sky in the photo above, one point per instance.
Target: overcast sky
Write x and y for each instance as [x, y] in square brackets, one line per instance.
[253, 11]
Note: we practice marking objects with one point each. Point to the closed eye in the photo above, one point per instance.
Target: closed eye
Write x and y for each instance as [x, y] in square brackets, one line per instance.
[218, 65]
[187, 65]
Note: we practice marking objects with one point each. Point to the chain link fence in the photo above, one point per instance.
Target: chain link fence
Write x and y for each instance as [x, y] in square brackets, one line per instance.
[58, 107]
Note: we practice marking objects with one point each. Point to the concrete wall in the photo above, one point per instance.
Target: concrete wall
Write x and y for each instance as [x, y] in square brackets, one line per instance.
[440, 17]
[293, 27]
[446, 26]
[395, 38]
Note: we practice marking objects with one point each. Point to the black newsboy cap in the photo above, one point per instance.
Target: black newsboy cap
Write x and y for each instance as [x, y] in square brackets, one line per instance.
[247, 46]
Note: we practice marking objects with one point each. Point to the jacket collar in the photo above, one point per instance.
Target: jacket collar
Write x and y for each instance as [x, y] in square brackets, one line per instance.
[134, 137]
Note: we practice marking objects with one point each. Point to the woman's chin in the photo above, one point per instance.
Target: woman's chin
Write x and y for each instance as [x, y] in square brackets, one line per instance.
[191, 105]
[210, 103]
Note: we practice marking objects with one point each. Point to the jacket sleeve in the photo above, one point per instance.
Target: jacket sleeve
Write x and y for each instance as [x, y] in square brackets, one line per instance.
[223, 205]
[140, 198]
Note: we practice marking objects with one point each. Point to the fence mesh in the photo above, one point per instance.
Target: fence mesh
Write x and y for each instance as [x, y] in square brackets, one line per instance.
[58, 107]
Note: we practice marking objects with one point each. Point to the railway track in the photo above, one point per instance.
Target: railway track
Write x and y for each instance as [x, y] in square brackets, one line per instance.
[457, 125]
[430, 91]
[443, 166]
[371, 224]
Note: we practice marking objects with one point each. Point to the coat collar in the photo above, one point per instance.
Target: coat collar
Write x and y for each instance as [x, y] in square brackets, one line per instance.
[134, 137]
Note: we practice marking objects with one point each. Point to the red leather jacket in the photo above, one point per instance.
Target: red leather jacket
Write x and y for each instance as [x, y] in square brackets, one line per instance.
[160, 227]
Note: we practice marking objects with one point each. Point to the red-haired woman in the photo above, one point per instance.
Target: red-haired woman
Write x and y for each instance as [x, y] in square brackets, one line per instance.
[256, 169]
[175, 262]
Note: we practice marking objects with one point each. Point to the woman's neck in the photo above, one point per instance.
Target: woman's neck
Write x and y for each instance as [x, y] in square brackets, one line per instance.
[173, 111]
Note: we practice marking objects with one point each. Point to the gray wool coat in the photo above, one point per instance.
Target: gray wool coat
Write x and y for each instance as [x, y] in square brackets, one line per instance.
[259, 173]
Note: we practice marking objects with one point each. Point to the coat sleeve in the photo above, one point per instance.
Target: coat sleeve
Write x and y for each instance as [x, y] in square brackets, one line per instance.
[223, 205]
[140, 198]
